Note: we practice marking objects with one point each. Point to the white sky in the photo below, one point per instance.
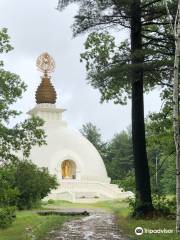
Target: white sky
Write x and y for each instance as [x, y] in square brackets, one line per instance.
[35, 27]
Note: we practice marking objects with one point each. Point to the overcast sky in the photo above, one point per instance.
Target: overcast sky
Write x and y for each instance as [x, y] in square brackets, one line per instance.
[35, 27]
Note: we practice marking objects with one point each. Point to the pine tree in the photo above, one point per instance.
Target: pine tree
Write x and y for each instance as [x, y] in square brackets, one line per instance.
[135, 61]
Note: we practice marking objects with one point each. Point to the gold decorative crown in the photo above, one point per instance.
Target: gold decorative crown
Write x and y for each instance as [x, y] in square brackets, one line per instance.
[45, 92]
[45, 63]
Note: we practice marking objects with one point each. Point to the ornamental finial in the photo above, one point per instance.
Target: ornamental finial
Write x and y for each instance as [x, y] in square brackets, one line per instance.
[45, 63]
[45, 92]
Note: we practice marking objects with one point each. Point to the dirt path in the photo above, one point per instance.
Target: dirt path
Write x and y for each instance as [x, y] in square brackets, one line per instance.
[99, 225]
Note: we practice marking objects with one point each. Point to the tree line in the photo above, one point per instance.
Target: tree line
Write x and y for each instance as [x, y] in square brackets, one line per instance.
[117, 154]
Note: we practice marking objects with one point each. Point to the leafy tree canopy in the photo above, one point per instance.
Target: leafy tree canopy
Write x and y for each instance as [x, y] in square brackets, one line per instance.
[23, 135]
[119, 158]
[92, 133]
[109, 63]
[116, 153]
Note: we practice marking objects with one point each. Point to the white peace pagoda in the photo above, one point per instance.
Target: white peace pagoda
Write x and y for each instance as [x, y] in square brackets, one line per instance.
[78, 166]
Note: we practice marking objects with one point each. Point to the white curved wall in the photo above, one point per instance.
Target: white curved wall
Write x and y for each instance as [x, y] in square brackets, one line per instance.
[63, 144]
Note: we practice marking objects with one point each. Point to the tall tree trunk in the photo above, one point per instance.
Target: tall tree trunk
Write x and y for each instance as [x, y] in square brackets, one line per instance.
[143, 189]
[176, 117]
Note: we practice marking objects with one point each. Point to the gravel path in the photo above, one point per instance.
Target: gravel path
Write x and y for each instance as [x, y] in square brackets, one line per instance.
[99, 225]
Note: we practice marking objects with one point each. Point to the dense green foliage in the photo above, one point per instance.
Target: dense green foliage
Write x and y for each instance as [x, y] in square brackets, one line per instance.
[164, 206]
[24, 184]
[9, 192]
[161, 148]
[33, 184]
[92, 133]
[7, 215]
[23, 135]
[108, 61]
[118, 157]
[127, 183]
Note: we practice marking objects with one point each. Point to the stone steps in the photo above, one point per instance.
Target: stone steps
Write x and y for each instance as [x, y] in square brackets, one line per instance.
[87, 191]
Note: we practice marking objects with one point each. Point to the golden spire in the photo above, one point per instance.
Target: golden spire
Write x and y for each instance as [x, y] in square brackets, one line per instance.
[45, 92]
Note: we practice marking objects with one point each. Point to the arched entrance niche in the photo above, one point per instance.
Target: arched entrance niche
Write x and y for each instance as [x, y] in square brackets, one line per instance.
[68, 169]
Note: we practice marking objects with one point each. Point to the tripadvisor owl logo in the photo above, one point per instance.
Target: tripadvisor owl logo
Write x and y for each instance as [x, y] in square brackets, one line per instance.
[139, 231]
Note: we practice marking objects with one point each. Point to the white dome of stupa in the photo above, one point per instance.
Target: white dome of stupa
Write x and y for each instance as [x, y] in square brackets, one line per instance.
[64, 143]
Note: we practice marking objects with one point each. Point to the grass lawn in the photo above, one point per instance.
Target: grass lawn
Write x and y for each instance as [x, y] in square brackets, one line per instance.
[40, 225]
[127, 224]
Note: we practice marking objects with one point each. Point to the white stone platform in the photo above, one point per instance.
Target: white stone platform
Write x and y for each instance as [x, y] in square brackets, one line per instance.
[87, 191]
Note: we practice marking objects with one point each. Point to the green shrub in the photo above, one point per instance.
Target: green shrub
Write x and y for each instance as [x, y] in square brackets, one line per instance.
[162, 205]
[24, 184]
[7, 215]
[127, 183]
[33, 183]
[50, 201]
[8, 191]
